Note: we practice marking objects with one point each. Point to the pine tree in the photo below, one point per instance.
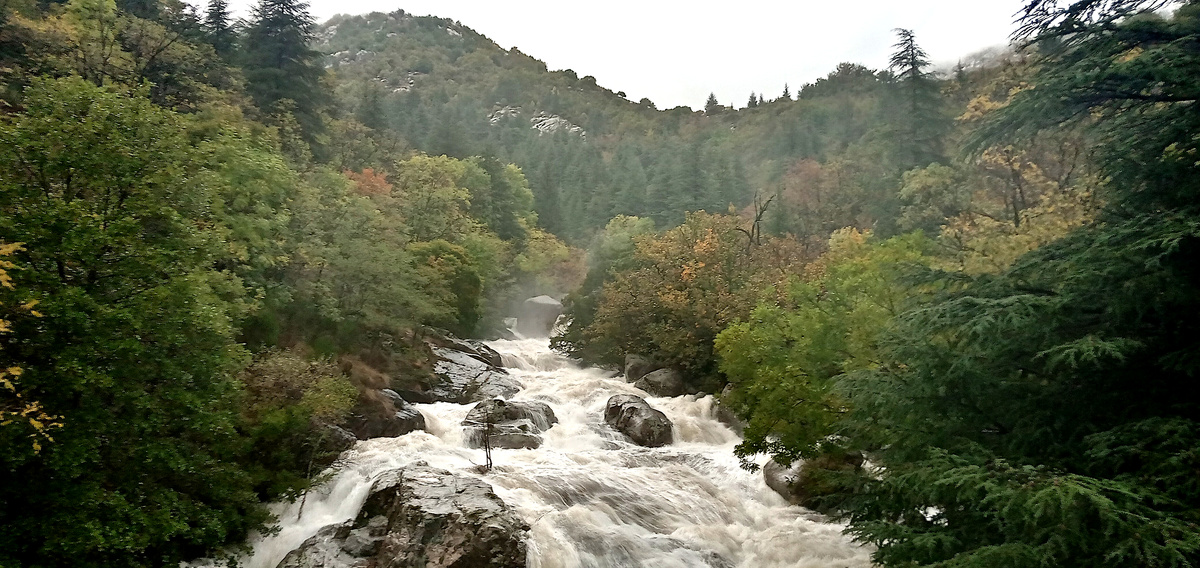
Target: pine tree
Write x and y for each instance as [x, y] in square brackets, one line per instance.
[283, 74]
[711, 106]
[219, 29]
[753, 101]
[787, 93]
[922, 122]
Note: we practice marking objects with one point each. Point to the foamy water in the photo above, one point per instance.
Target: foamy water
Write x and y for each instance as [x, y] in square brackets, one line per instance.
[592, 498]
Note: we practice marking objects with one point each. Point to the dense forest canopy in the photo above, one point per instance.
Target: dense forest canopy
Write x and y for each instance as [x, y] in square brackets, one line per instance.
[217, 235]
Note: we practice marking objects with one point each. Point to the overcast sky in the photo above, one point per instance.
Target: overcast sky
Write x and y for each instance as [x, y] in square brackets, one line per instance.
[676, 53]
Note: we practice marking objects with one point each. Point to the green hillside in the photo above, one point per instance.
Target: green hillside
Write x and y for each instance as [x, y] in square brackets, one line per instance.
[591, 154]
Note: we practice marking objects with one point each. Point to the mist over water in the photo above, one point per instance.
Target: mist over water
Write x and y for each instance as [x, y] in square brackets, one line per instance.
[592, 498]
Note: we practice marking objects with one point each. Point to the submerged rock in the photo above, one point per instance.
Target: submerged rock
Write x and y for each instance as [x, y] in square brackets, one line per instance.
[636, 367]
[514, 424]
[663, 382]
[464, 378]
[424, 517]
[538, 316]
[632, 416]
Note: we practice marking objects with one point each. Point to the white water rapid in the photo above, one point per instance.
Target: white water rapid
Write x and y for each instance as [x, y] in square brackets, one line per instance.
[593, 499]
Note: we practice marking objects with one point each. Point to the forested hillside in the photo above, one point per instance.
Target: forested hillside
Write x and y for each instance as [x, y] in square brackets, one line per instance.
[964, 301]
[590, 154]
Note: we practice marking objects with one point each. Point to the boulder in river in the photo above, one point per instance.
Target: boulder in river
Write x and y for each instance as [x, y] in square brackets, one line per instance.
[663, 382]
[462, 378]
[632, 416]
[383, 414]
[477, 349]
[804, 481]
[538, 315]
[421, 517]
[636, 366]
[516, 424]
[725, 415]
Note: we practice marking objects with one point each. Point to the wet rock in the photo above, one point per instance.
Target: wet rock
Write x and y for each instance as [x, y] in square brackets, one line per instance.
[514, 424]
[726, 415]
[463, 378]
[803, 482]
[477, 349]
[335, 438]
[383, 414]
[440, 520]
[783, 480]
[413, 396]
[421, 517]
[632, 416]
[663, 382]
[323, 550]
[636, 367]
[538, 316]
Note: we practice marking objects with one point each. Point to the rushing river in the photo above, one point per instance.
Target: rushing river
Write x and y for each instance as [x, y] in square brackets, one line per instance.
[592, 498]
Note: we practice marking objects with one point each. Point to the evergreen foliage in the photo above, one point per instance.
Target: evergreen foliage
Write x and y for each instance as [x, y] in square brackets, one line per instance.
[219, 29]
[922, 122]
[711, 106]
[283, 72]
[1048, 415]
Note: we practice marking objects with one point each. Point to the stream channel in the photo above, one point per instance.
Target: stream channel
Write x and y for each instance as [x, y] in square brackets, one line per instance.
[592, 498]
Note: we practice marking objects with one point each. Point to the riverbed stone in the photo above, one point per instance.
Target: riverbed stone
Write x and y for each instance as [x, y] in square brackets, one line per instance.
[477, 349]
[383, 413]
[725, 415]
[636, 366]
[419, 516]
[538, 315]
[633, 416]
[663, 382]
[463, 378]
[515, 424]
[805, 481]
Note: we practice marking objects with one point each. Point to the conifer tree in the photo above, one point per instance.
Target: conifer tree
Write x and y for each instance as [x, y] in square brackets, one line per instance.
[753, 103]
[283, 74]
[219, 28]
[711, 106]
[1050, 415]
[921, 120]
[787, 93]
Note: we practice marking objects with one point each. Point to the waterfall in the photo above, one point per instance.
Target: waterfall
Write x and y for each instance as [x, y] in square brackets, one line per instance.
[593, 499]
